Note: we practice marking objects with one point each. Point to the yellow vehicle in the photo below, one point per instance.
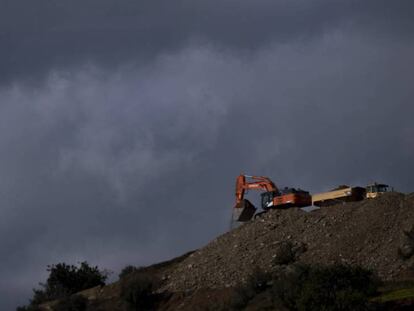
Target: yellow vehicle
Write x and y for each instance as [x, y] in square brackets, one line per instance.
[375, 190]
[349, 194]
[341, 194]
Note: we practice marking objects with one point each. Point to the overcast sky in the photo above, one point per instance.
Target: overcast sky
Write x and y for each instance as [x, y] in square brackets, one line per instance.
[123, 124]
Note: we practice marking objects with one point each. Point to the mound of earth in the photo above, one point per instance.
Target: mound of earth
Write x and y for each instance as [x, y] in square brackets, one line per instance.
[376, 234]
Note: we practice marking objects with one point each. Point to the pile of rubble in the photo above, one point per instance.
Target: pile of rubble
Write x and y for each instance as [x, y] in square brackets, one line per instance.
[376, 234]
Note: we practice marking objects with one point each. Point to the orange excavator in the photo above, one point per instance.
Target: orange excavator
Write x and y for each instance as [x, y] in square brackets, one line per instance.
[272, 197]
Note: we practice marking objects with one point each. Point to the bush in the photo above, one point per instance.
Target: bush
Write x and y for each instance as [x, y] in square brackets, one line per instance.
[331, 288]
[68, 279]
[65, 280]
[39, 296]
[288, 252]
[72, 303]
[257, 282]
[307, 288]
[137, 290]
[406, 251]
[127, 271]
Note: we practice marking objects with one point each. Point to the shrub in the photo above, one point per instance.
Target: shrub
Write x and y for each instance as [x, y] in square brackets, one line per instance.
[257, 282]
[137, 290]
[127, 271]
[288, 252]
[68, 279]
[39, 296]
[65, 280]
[406, 251]
[331, 288]
[72, 303]
[307, 288]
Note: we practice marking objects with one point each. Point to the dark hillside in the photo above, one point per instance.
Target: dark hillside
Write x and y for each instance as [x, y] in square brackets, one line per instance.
[376, 234]
[371, 233]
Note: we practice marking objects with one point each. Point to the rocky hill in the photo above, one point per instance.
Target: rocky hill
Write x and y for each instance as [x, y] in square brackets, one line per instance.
[377, 234]
[371, 233]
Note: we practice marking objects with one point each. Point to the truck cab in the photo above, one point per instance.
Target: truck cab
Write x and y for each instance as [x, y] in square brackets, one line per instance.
[375, 190]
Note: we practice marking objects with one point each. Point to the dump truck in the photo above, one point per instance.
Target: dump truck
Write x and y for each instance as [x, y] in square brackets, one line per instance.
[375, 190]
[272, 197]
[341, 194]
[349, 194]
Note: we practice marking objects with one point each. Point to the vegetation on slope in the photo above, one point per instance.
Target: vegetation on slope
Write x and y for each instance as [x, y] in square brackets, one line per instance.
[65, 280]
[308, 288]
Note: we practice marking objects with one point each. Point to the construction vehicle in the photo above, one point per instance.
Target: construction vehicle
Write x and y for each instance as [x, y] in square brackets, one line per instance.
[341, 194]
[272, 197]
[344, 194]
[375, 190]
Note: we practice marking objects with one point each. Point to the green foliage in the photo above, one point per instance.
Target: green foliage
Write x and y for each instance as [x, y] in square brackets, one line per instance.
[127, 271]
[68, 279]
[397, 295]
[395, 291]
[65, 280]
[257, 282]
[406, 250]
[72, 303]
[39, 296]
[330, 288]
[307, 288]
[137, 290]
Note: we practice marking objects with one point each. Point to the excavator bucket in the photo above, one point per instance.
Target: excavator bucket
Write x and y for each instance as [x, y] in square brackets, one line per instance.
[244, 211]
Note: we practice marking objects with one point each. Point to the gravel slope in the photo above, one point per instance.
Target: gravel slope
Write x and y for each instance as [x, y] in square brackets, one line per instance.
[368, 233]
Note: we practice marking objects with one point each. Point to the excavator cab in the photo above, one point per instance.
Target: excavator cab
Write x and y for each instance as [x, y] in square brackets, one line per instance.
[375, 190]
[285, 198]
[267, 199]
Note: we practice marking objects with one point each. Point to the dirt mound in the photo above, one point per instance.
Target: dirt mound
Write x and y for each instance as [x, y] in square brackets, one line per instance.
[370, 233]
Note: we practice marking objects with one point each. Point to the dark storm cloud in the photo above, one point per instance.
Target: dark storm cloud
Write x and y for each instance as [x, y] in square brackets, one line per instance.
[38, 36]
[118, 163]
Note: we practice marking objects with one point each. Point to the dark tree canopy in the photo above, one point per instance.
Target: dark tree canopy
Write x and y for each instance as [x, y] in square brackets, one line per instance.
[65, 280]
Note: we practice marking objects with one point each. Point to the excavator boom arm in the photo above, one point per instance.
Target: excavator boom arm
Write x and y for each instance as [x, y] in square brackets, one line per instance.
[259, 183]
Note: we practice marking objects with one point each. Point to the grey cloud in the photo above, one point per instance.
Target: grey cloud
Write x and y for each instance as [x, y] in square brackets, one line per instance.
[50, 34]
[131, 164]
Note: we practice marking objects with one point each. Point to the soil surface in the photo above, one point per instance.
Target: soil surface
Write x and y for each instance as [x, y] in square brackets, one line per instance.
[376, 234]
[370, 233]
